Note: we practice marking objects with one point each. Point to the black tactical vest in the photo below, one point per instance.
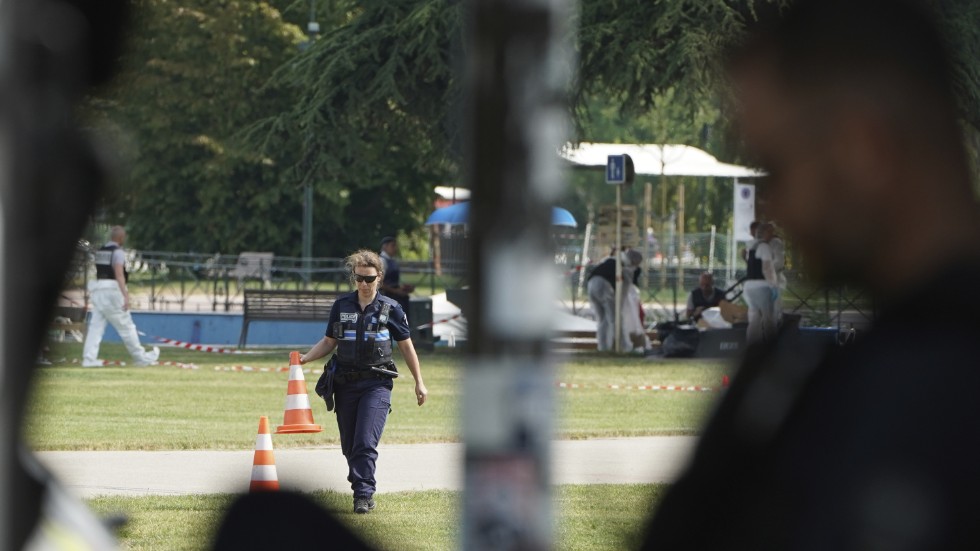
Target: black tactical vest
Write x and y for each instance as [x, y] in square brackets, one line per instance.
[700, 301]
[754, 267]
[363, 339]
[103, 263]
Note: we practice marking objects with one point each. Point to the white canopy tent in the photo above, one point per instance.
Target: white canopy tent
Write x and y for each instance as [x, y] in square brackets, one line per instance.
[658, 159]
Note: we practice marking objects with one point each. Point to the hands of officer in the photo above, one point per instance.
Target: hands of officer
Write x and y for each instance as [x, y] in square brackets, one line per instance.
[421, 392]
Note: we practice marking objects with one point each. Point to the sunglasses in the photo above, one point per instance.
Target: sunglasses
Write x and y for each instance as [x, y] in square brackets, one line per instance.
[365, 278]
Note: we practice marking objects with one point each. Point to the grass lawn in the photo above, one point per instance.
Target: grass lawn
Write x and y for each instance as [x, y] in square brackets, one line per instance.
[167, 408]
[595, 517]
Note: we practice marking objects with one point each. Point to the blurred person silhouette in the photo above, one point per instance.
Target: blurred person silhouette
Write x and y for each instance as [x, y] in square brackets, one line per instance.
[778, 248]
[110, 304]
[761, 286]
[392, 287]
[601, 289]
[705, 296]
[753, 230]
[634, 337]
[849, 107]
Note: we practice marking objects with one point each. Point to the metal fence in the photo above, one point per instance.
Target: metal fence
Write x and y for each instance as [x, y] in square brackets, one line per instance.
[168, 281]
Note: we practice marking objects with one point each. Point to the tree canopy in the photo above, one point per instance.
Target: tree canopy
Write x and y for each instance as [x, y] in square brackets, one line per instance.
[222, 116]
[195, 73]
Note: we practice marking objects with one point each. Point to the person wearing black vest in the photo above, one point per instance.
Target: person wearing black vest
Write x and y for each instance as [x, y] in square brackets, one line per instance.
[360, 330]
[391, 285]
[602, 297]
[110, 304]
[704, 297]
[761, 287]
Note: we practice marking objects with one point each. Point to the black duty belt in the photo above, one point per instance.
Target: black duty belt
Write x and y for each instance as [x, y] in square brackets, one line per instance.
[351, 376]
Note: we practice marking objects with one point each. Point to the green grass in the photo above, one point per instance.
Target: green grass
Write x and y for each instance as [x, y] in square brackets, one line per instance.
[597, 411]
[590, 518]
[166, 408]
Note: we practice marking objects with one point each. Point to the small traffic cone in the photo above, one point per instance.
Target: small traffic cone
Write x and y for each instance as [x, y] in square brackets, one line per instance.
[264, 477]
[299, 416]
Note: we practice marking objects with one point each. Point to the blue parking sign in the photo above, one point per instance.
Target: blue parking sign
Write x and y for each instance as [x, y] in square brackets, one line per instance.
[616, 169]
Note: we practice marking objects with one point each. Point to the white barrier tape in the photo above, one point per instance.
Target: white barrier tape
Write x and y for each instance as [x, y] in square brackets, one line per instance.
[678, 388]
[437, 322]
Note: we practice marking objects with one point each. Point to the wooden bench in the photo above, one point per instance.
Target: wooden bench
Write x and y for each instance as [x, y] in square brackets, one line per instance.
[262, 305]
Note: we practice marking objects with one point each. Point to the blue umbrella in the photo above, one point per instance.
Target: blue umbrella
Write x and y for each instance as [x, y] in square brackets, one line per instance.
[460, 213]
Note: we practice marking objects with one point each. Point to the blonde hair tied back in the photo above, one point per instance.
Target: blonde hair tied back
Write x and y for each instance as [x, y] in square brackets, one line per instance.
[365, 259]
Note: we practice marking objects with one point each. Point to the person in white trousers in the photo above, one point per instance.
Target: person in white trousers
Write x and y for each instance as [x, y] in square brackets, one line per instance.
[634, 334]
[779, 265]
[110, 303]
[761, 288]
[602, 298]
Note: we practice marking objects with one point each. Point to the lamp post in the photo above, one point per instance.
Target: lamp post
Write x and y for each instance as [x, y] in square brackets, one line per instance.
[312, 30]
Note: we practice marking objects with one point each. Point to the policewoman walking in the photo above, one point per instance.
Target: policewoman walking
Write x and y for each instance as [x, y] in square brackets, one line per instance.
[361, 328]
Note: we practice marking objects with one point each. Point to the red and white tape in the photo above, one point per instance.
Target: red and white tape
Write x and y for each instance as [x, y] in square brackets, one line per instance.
[104, 363]
[250, 369]
[179, 364]
[437, 322]
[110, 363]
[677, 388]
[200, 347]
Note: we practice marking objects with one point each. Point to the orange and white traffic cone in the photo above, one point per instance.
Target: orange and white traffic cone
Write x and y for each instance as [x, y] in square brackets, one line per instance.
[264, 477]
[298, 416]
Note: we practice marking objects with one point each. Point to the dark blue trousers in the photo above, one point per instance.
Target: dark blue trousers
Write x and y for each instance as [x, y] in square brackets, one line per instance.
[362, 409]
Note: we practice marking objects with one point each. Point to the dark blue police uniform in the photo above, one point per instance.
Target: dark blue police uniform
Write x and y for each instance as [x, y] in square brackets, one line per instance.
[363, 397]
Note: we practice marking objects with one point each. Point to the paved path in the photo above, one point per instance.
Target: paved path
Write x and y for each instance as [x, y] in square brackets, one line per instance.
[401, 467]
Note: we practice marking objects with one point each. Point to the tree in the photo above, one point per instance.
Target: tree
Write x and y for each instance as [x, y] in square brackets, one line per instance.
[195, 73]
[226, 120]
[373, 119]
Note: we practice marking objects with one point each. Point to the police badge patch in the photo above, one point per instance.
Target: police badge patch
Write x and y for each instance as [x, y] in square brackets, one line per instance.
[348, 316]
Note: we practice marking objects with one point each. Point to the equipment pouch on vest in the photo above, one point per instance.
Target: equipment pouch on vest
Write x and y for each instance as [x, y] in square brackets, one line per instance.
[324, 385]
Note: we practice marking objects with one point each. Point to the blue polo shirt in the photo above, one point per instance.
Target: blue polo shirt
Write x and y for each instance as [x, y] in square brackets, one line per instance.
[392, 271]
[348, 310]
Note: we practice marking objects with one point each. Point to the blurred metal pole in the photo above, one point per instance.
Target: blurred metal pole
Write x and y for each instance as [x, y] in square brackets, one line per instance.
[312, 30]
[517, 76]
[647, 226]
[618, 255]
[307, 231]
[680, 244]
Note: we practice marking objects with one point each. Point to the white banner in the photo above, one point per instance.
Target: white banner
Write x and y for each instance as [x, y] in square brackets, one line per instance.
[743, 213]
